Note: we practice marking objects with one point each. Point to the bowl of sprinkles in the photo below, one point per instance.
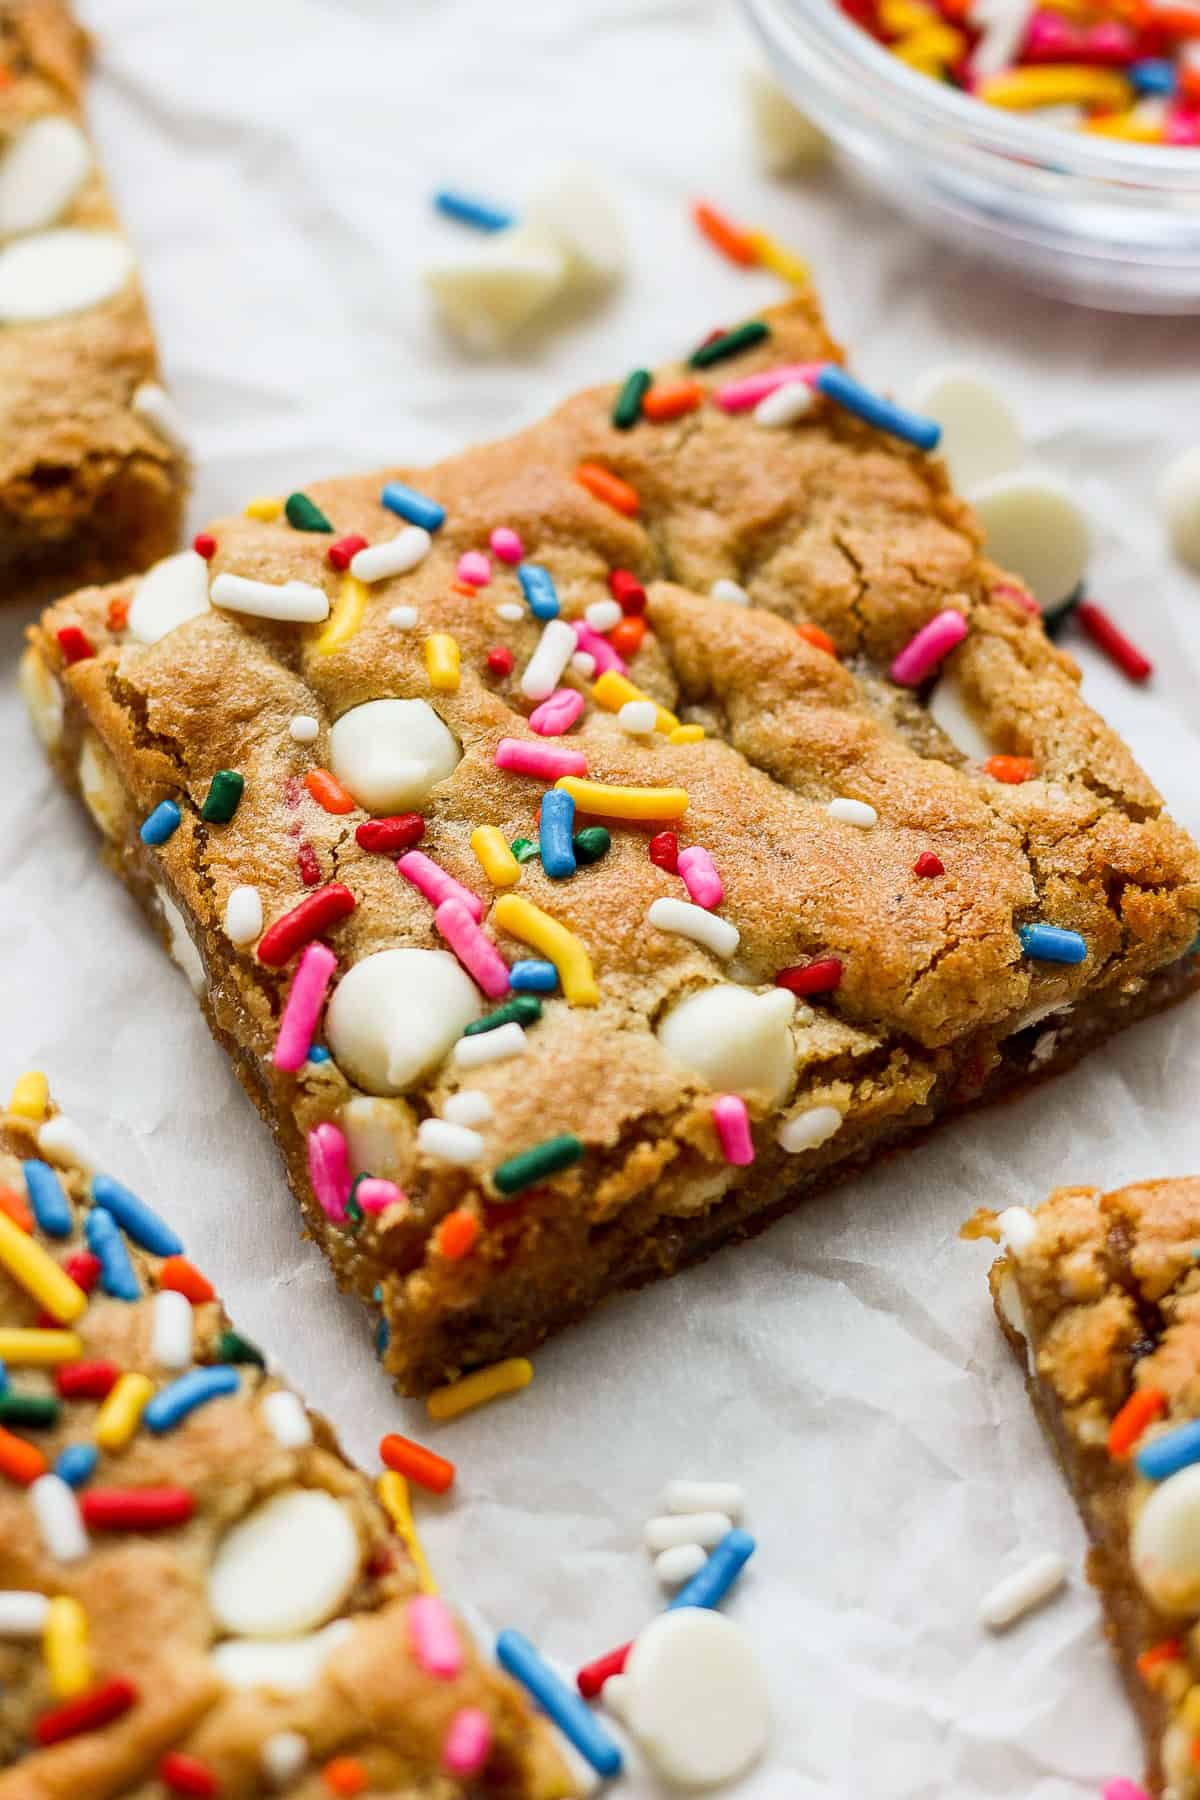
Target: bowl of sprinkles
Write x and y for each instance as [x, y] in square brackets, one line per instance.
[1058, 138]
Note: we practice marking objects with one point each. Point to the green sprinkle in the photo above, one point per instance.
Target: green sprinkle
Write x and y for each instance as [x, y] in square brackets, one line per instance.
[224, 793]
[593, 842]
[729, 343]
[546, 1158]
[304, 514]
[29, 1409]
[525, 849]
[232, 1347]
[526, 1009]
[627, 407]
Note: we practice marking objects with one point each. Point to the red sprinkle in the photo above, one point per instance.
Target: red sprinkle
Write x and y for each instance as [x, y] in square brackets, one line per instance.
[104, 1704]
[664, 851]
[626, 638]
[499, 660]
[929, 864]
[592, 1677]
[135, 1509]
[205, 545]
[73, 644]
[342, 552]
[1106, 636]
[390, 836]
[345, 1776]
[425, 1467]
[83, 1268]
[186, 1775]
[305, 922]
[116, 613]
[86, 1380]
[307, 863]
[819, 977]
[185, 1278]
[627, 591]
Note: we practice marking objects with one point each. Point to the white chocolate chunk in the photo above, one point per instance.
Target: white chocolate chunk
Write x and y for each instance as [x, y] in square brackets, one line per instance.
[293, 602]
[555, 648]
[282, 1757]
[182, 949]
[380, 1135]
[1019, 1227]
[43, 698]
[805, 1130]
[686, 919]
[100, 785]
[1035, 527]
[696, 1697]
[784, 139]
[286, 1567]
[950, 713]
[152, 402]
[678, 1564]
[394, 556]
[487, 294]
[789, 403]
[705, 1528]
[392, 753]
[739, 1041]
[41, 172]
[287, 1419]
[1018, 1594]
[61, 1141]
[22, 1613]
[290, 1664]
[168, 595]
[576, 213]
[703, 1496]
[243, 915]
[470, 1106]
[1179, 504]
[853, 812]
[447, 1142]
[732, 592]
[57, 272]
[396, 1014]
[1166, 1543]
[980, 434]
[172, 1331]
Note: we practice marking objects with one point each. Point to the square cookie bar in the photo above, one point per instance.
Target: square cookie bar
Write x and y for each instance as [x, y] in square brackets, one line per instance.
[1099, 1296]
[198, 1594]
[92, 475]
[561, 836]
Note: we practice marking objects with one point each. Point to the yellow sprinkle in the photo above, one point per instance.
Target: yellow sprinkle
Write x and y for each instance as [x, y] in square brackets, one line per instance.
[523, 920]
[899, 16]
[930, 48]
[485, 1384]
[1057, 84]
[779, 259]
[121, 1411]
[606, 802]
[346, 617]
[30, 1096]
[497, 860]
[1129, 127]
[33, 1349]
[686, 734]
[264, 508]
[393, 1497]
[613, 691]
[39, 1274]
[65, 1648]
[442, 662]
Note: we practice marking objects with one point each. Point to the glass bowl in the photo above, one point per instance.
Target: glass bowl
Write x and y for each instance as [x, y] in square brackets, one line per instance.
[1088, 219]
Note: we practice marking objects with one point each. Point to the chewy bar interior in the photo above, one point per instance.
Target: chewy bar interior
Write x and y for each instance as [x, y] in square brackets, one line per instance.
[562, 843]
[1099, 1296]
[92, 477]
[198, 1594]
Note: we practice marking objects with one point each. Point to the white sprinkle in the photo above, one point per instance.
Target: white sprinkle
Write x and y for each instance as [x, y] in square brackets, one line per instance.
[679, 1563]
[638, 717]
[1020, 1593]
[602, 615]
[853, 812]
[395, 556]
[402, 617]
[1019, 1227]
[153, 403]
[729, 591]
[57, 1512]
[304, 728]
[794, 400]
[243, 915]
[22, 1613]
[690, 921]
[171, 1334]
[286, 1419]
[703, 1496]
[510, 611]
[808, 1128]
[703, 1528]
[283, 1756]
[294, 602]
[491, 1046]
[584, 663]
[555, 648]
[470, 1106]
[448, 1142]
[62, 1141]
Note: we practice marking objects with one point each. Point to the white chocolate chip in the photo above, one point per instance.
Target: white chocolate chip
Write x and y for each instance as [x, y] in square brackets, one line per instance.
[57, 272]
[172, 1330]
[487, 293]
[282, 1757]
[1018, 1594]
[243, 915]
[394, 556]
[1037, 528]
[61, 1141]
[392, 753]
[949, 711]
[41, 173]
[182, 949]
[403, 618]
[703, 1496]
[286, 1567]
[292, 602]
[555, 648]
[576, 213]
[794, 400]
[152, 402]
[784, 138]
[739, 1041]
[853, 812]
[290, 1664]
[1165, 1544]
[706, 1529]
[730, 591]
[304, 729]
[100, 785]
[807, 1129]
[1020, 1228]
[980, 435]
[287, 1419]
[380, 1135]
[470, 1106]
[1179, 504]
[602, 615]
[696, 1697]
[43, 698]
[685, 919]
[449, 1143]
[491, 1046]
[678, 1564]
[638, 717]
[168, 595]
[396, 1014]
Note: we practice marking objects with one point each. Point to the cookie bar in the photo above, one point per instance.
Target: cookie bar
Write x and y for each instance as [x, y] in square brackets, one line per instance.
[92, 475]
[198, 1594]
[594, 779]
[1099, 1296]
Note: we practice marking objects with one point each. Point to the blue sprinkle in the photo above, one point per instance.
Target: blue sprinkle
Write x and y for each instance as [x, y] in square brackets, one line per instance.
[51, 1208]
[3, 1378]
[76, 1464]
[574, 1718]
[834, 382]
[105, 1241]
[161, 824]
[537, 584]
[196, 1388]
[533, 977]
[479, 213]
[556, 822]
[317, 1053]
[1153, 75]
[418, 509]
[1050, 943]
[383, 1337]
[1166, 1455]
[135, 1218]
[711, 1583]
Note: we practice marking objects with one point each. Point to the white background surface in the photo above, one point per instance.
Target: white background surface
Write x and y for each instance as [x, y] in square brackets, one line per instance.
[274, 160]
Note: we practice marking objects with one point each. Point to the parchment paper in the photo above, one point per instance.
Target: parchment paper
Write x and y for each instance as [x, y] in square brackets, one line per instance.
[274, 160]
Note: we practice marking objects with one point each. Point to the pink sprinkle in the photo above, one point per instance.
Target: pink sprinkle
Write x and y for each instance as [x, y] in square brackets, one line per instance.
[541, 761]
[598, 648]
[302, 1009]
[432, 881]
[1182, 127]
[1008, 590]
[1109, 42]
[434, 1639]
[733, 1128]
[926, 650]
[375, 1195]
[700, 877]
[1123, 1790]
[474, 568]
[558, 713]
[329, 1170]
[1050, 38]
[477, 953]
[467, 1743]
[740, 396]
[506, 545]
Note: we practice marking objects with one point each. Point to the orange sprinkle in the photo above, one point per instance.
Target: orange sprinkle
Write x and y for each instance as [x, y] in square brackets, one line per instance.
[1189, 89]
[603, 485]
[728, 238]
[1178, 21]
[345, 1775]
[626, 636]
[416, 1463]
[671, 400]
[464, 587]
[812, 634]
[185, 1278]
[117, 615]
[1170, 1650]
[15, 1207]
[1010, 769]
[19, 1460]
[1196, 1751]
[328, 791]
[456, 1235]
[1141, 1409]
